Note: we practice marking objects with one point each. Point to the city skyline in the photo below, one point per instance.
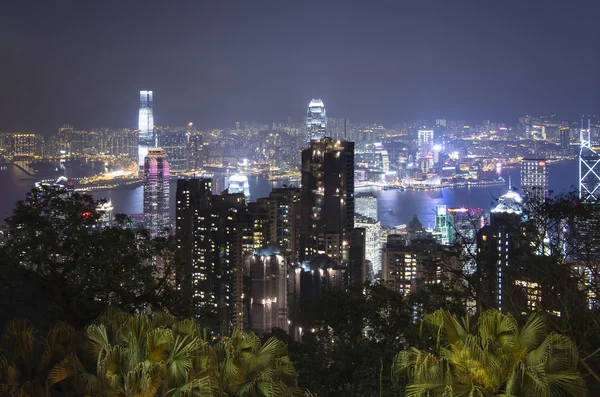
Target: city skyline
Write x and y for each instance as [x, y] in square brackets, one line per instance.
[409, 61]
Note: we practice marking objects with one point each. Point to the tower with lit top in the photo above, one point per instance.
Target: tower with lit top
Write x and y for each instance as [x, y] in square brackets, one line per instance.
[146, 138]
[316, 120]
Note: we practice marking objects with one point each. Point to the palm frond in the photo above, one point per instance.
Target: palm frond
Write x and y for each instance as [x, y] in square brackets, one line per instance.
[533, 332]
[65, 369]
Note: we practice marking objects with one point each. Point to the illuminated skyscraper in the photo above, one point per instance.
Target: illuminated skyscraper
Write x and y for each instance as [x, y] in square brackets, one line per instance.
[534, 178]
[500, 244]
[425, 143]
[196, 247]
[372, 240]
[156, 191]
[589, 169]
[316, 120]
[145, 126]
[366, 205]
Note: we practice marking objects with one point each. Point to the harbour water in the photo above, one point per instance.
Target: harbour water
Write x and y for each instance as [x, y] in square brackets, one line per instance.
[395, 207]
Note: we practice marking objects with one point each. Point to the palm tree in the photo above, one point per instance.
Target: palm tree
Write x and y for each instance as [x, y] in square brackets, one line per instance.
[144, 357]
[33, 366]
[147, 356]
[491, 358]
[243, 366]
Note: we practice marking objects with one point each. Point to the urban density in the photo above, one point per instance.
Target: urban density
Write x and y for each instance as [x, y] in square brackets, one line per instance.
[317, 252]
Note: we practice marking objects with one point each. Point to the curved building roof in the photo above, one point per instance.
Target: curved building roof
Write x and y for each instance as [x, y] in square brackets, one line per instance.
[510, 203]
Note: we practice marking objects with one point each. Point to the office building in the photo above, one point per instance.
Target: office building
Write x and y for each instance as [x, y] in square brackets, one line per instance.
[424, 143]
[366, 205]
[443, 225]
[589, 169]
[156, 192]
[372, 229]
[565, 141]
[146, 138]
[534, 178]
[499, 245]
[316, 120]
[327, 199]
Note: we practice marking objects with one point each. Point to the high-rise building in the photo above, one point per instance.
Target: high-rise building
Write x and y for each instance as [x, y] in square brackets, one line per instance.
[327, 199]
[146, 136]
[316, 120]
[366, 205]
[534, 178]
[443, 225]
[565, 140]
[195, 245]
[284, 219]
[589, 169]
[424, 143]
[499, 245]
[409, 266]
[156, 191]
[372, 241]
[268, 272]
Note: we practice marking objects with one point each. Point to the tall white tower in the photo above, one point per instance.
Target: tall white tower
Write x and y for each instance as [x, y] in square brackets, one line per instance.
[145, 126]
[316, 120]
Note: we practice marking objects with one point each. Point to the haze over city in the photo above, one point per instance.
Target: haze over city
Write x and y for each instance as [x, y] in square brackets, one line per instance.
[300, 198]
[216, 63]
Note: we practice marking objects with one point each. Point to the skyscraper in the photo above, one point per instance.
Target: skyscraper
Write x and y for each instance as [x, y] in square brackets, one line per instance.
[327, 199]
[316, 120]
[424, 142]
[145, 126]
[565, 141]
[366, 205]
[268, 290]
[284, 207]
[156, 191]
[589, 168]
[499, 245]
[195, 246]
[372, 241]
[534, 178]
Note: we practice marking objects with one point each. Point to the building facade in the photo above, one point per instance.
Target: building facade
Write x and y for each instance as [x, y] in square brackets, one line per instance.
[366, 205]
[372, 241]
[156, 192]
[327, 199]
[316, 120]
[145, 126]
[534, 178]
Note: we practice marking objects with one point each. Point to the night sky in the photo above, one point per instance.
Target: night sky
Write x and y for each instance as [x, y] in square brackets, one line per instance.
[217, 62]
